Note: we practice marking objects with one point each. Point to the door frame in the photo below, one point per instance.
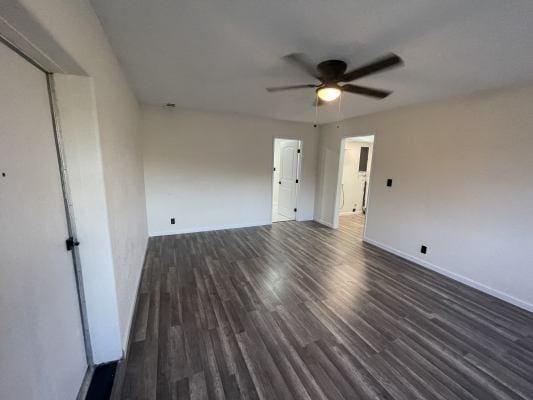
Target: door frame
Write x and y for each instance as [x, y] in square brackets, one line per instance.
[65, 189]
[340, 170]
[298, 174]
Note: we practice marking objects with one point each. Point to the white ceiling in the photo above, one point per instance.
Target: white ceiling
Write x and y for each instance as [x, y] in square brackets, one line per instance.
[221, 54]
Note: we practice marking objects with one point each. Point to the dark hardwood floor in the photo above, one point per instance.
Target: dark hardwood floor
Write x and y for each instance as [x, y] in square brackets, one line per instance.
[298, 310]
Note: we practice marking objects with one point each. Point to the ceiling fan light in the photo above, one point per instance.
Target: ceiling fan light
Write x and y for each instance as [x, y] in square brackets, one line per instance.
[328, 93]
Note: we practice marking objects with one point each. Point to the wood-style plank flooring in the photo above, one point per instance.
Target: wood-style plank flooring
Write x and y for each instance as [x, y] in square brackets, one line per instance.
[300, 311]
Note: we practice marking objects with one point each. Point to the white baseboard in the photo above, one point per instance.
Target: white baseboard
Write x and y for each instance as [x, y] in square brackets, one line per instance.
[348, 213]
[127, 333]
[322, 222]
[460, 278]
[179, 231]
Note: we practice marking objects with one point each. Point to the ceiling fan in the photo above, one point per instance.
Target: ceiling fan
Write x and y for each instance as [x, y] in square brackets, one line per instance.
[332, 72]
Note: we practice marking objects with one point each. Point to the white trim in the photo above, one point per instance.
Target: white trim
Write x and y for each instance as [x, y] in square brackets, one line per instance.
[22, 30]
[180, 231]
[349, 213]
[127, 333]
[340, 170]
[323, 222]
[298, 173]
[460, 278]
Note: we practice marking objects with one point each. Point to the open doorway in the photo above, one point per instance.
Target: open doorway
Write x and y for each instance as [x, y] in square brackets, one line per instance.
[354, 180]
[286, 171]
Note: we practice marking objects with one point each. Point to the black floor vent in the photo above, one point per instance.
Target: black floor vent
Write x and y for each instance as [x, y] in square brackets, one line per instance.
[102, 382]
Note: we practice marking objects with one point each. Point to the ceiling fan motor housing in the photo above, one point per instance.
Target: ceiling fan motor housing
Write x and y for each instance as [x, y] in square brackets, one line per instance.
[331, 70]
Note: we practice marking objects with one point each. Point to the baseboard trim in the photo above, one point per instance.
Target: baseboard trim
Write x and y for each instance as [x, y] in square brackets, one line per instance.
[209, 228]
[325, 223]
[350, 213]
[132, 311]
[120, 372]
[460, 278]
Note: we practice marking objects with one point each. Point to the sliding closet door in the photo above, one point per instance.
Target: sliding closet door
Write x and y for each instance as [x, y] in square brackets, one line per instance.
[42, 352]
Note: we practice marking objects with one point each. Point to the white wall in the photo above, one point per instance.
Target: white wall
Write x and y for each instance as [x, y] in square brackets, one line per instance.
[462, 185]
[75, 29]
[214, 170]
[353, 181]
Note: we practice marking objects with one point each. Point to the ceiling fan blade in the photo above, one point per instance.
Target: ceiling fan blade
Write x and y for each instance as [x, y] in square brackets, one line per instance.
[301, 61]
[291, 87]
[381, 64]
[365, 91]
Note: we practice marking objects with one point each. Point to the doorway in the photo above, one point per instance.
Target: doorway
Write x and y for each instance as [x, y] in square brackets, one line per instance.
[42, 344]
[286, 178]
[354, 180]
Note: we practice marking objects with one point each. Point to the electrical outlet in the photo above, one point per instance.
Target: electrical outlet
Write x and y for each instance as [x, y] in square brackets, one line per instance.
[172, 221]
[423, 249]
[389, 182]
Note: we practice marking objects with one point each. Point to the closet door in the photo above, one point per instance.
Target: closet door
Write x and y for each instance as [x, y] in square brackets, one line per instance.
[42, 353]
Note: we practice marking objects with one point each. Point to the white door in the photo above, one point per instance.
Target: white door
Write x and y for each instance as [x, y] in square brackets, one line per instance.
[42, 353]
[288, 174]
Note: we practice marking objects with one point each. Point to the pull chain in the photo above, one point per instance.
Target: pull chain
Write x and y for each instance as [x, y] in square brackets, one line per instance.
[339, 110]
[316, 110]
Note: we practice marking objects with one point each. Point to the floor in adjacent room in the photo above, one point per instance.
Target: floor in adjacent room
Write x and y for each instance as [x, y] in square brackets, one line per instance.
[278, 217]
[298, 310]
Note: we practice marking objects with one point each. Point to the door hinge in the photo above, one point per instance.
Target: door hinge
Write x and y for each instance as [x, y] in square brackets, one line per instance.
[274, 168]
[295, 209]
[299, 150]
[279, 182]
[296, 180]
[71, 242]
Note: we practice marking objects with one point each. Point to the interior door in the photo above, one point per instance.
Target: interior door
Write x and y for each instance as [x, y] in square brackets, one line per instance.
[42, 353]
[287, 178]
